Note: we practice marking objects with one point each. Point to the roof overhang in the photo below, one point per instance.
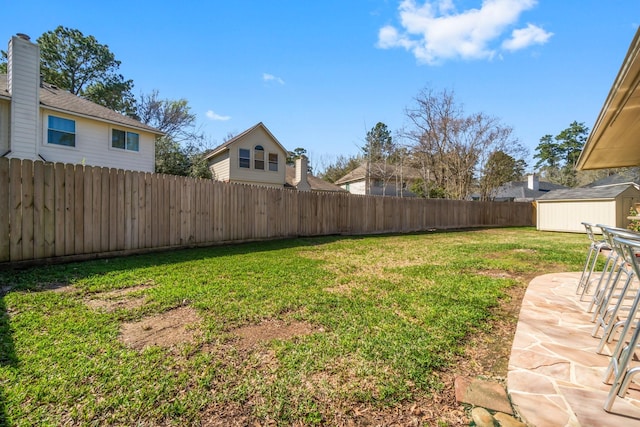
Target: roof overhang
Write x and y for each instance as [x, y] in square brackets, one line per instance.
[615, 138]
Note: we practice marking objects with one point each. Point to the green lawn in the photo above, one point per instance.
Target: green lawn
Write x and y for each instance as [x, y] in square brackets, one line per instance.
[371, 321]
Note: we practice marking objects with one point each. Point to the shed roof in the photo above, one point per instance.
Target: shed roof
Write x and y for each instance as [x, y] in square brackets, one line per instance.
[64, 101]
[595, 193]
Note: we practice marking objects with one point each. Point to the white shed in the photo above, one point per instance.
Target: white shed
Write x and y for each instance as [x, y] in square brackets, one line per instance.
[565, 210]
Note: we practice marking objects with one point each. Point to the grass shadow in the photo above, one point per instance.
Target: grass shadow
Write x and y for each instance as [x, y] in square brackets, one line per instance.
[7, 353]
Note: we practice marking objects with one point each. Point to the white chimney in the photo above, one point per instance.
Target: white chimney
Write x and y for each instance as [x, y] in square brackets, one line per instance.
[23, 84]
[534, 183]
[300, 181]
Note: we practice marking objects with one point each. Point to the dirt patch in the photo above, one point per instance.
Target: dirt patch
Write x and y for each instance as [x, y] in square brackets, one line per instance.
[495, 274]
[118, 299]
[168, 329]
[251, 335]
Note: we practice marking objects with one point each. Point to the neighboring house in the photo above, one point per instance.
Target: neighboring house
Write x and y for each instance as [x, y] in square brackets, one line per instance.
[315, 183]
[629, 176]
[256, 157]
[39, 121]
[253, 157]
[565, 210]
[523, 191]
[380, 179]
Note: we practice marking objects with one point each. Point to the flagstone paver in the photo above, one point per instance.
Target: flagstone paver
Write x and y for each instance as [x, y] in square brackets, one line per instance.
[555, 374]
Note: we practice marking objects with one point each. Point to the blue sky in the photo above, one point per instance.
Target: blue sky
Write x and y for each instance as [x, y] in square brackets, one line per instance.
[320, 74]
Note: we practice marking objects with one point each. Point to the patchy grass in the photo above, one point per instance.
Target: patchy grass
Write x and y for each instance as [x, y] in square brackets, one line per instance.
[340, 330]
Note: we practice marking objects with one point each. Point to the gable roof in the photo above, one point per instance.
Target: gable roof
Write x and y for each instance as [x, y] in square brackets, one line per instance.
[63, 101]
[315, 183]
[608, 192]
[631, 176]
[360, 173]
[226, 145]
[521, 190]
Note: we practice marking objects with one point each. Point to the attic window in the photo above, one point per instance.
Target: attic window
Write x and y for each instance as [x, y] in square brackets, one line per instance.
[244, 158]
[258, 157]
[61, 131]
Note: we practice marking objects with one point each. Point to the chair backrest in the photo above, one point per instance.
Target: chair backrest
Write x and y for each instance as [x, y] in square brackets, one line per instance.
[609, 232]
[613, 236]
[589, 228]
[630, 249]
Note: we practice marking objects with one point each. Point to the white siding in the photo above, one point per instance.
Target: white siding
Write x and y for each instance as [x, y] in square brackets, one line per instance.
[558, 215]
[252, 175]
[355, 187]
[23, 80]
[93, 146]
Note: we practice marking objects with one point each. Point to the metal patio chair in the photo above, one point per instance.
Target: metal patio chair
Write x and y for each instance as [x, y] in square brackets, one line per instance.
[614, 296]
[596, 246]
[621, 367]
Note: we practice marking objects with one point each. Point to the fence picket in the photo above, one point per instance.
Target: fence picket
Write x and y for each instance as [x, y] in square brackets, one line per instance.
[4, 211]
[70, 210]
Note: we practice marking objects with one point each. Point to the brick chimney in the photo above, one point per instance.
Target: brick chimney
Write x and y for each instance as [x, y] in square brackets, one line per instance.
[534, 183]
[23, 84]
[300, 181]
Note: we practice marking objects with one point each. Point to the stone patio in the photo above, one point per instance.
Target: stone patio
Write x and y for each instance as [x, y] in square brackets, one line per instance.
[555, 375]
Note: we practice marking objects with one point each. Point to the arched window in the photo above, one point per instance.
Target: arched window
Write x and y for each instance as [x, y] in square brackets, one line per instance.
[258, 157]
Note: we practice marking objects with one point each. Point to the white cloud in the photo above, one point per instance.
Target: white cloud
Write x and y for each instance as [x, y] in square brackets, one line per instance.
[435, 31]
[271, 78]
[526, 37]
[211, 115]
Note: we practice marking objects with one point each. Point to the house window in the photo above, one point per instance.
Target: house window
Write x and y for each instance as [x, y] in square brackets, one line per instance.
[245, 158]
[273, 162]
[129, 141]
[61, 131]
[258, 162]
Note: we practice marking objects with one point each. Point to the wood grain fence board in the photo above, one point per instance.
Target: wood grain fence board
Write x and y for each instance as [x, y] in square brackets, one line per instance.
[140, 211]
[221, 220]
[78, 209]
[173, 212]
[128, 209]
[38, 210]
[27, 209]
[201, 203]
[87, 209]
[113, 209]
[59, 209]
[134, 230]
[208, 223]
[105, 204]
[69, 210]
[191, 220]
[166, 210]
[15, 209]
[148, 211]
[155, 208]
[120, 226]
[49, 210]
[97, 209]
[5, 254]
[164, 240]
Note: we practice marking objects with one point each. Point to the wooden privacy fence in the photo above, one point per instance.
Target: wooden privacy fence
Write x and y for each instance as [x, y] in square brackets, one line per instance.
[50, 210]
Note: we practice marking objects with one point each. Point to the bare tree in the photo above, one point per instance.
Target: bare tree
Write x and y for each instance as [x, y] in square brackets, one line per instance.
[451, 148]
